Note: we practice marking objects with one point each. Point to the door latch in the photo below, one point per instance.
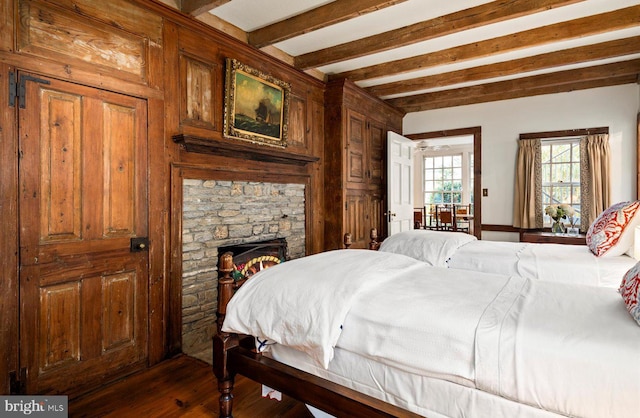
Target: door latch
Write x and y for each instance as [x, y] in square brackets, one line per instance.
[390, 216]
[139, 244]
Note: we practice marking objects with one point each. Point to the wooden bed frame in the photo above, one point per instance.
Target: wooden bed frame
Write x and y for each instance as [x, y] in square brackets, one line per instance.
[374, 244]
[235, 354]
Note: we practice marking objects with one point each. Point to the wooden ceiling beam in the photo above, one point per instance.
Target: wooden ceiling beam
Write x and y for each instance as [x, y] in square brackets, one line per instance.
[563, 81]
[563, 88]
[611, 49]
[591, 25]
[485, 14]
[329, 14]
[198, 7]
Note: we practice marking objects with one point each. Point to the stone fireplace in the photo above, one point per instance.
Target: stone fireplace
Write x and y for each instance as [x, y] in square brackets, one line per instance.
[218, 214]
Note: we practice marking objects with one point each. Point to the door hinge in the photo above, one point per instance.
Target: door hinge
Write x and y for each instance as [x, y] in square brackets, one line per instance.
[17, 383]
[19, 89]
[13, 89]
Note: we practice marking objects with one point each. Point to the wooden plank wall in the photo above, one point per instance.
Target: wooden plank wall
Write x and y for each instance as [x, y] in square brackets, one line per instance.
[148, 50]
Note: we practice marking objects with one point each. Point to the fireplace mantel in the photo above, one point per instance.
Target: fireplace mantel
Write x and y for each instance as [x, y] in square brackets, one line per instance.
[240, 149]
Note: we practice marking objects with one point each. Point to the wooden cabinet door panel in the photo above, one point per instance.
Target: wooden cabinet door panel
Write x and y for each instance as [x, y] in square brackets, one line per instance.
[375, 211]
[363, 211]
[354, 216]
[83, 196]
[376, 159]
[198, 91]
[355, 158]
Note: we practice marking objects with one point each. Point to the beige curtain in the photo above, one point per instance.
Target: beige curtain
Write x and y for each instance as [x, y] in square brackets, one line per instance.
[595, 180]
[527, 205]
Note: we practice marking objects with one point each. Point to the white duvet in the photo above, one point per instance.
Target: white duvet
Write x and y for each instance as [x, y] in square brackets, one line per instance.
[549, 262]
[573, 350]
[303, 303]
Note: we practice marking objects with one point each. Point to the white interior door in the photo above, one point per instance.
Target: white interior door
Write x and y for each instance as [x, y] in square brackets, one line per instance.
[400, 183]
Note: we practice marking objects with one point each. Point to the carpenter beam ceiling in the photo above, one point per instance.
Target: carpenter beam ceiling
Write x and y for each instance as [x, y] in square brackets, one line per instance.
[428, 54]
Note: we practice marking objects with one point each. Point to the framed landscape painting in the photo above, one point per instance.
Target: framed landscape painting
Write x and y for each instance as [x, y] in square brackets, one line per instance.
[256, 106]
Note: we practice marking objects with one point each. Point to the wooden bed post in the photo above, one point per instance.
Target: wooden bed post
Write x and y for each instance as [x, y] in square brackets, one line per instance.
[374, 244]
[223, 341]
[347, 240]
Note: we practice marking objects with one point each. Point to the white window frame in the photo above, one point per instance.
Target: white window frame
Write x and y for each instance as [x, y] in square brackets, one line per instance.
[572, 182]
[466, 178]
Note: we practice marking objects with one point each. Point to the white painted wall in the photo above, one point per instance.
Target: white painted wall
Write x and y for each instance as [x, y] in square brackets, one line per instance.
[502, 122]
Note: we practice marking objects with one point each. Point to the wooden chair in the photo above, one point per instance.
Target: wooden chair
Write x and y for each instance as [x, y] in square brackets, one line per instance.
[418, 218]
[463, 221]
[444, 217]
[431, 217]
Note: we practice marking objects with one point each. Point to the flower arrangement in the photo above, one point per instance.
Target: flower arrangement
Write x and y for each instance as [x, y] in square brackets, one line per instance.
[558, 212]
[562, 211]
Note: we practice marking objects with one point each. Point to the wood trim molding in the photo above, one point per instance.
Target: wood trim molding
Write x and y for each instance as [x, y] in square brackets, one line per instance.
[500, 228]
[241, 149]
[570, 132]
[446, 133]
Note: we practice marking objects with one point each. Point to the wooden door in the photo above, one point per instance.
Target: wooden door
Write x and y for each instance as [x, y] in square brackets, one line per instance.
[399, 183]
[83, 197]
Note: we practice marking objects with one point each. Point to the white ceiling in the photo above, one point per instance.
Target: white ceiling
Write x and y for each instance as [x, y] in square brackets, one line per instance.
[249, 15]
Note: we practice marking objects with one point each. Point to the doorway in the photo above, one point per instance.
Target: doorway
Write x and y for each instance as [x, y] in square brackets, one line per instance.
[450, 138]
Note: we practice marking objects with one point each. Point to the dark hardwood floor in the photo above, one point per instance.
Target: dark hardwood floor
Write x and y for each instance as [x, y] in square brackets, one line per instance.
[180, 387]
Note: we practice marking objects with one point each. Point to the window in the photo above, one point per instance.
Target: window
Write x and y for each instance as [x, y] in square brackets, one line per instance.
[560, 174]
[443, 180]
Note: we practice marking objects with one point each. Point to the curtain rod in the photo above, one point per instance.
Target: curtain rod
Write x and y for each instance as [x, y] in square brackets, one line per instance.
[567, 133]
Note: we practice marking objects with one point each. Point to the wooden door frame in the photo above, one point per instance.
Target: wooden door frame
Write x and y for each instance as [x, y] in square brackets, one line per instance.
[476, 132]
[8, 236]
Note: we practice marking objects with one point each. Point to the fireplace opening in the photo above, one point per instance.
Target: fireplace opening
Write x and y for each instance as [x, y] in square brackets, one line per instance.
[251, 257]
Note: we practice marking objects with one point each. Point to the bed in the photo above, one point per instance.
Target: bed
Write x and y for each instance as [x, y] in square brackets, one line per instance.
[551, 262]
[602, 262]
[372, 333]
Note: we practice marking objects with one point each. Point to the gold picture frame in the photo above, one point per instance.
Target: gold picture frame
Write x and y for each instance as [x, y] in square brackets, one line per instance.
[256, 106]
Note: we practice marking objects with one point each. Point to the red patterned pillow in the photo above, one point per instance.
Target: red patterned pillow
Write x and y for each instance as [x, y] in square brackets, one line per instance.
[630, 291]
[612, 232]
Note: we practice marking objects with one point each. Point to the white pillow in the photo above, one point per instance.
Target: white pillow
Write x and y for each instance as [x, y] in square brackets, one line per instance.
[433, 247]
